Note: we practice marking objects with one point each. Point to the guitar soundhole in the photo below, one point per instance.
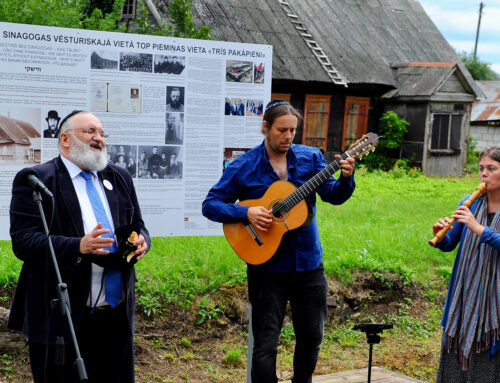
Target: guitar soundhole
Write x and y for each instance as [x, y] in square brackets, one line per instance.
[279, 213]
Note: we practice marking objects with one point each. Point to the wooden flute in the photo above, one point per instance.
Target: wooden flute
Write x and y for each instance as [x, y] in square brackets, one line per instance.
[441, 233]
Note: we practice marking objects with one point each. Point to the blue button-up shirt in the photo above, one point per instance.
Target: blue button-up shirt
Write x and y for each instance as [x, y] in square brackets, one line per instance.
[250, 175]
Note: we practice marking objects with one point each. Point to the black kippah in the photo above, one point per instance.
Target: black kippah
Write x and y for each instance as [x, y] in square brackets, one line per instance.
[68, 117]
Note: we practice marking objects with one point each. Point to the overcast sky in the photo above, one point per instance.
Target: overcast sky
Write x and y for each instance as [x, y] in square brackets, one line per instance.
[457, 21]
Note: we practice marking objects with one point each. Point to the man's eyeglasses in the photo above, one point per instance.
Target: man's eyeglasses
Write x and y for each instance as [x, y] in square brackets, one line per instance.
[92, 131]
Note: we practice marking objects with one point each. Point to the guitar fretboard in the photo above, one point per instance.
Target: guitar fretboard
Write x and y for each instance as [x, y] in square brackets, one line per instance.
[307, 188]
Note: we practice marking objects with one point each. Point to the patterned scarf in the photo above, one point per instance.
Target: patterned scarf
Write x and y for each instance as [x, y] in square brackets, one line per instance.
[474, 315]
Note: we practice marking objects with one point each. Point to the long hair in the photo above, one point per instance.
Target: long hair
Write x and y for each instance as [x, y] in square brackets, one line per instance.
[277, 108]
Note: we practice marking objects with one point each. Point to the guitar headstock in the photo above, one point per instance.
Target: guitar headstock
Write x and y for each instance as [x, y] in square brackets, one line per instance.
[363, 146]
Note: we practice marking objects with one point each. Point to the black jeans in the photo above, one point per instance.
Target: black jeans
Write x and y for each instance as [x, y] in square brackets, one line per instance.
[269, 293]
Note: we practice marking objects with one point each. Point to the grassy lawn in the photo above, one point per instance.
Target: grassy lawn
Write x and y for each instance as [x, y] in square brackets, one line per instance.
[385, 226]
[382, 229]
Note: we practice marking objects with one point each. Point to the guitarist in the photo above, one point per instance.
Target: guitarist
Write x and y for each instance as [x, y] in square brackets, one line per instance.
[295, 273]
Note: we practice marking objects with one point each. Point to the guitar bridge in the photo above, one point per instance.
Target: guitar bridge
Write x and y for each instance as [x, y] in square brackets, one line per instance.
[254, 234]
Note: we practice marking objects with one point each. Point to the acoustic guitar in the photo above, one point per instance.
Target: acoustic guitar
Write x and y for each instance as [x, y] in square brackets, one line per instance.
[289, 208]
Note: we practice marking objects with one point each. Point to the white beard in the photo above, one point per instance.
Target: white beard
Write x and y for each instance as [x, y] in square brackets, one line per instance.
[85, 157]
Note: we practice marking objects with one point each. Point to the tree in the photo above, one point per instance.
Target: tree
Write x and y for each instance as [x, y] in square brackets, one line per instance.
[180, 13]
[479, 70]
[62, 13]
[102, 15]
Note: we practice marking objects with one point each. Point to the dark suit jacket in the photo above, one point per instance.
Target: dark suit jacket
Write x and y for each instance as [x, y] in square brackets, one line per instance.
[30, 311]
[47, 133]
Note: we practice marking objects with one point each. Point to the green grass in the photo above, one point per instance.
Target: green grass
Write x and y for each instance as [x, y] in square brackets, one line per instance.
[384, 227]
[386, 224]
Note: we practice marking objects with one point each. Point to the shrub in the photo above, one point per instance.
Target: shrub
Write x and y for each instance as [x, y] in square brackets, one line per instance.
[471, 165]
[392, 129]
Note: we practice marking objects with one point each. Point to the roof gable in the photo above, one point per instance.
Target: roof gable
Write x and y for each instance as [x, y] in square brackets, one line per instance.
[426, 80]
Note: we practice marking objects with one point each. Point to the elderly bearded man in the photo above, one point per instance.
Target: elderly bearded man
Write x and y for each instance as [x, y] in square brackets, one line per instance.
[101, 292]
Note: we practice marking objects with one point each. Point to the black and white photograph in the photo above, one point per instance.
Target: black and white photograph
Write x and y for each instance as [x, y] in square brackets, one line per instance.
[134, 92]
[175, 99]
[21, 141]
[174, 128]
[104, 60]
[169, 64]
[239, 71]
[52, 128]
[124, 156]
[159, 162]
[136, 62]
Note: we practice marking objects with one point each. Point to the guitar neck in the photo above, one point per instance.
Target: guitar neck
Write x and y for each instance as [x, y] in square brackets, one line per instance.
[305, 189]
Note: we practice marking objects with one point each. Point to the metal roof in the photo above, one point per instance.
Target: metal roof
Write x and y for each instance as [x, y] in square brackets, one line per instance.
[488, 109]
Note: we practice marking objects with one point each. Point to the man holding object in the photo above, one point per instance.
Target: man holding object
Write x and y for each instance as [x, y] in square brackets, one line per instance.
[295, 273]
[92, 200]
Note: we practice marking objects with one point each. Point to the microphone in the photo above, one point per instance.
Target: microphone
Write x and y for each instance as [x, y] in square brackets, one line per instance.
[36, 184]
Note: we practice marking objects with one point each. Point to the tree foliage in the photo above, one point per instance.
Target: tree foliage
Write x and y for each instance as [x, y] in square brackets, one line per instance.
[62, 13]
[102, 15]
[392, 129]
[480, 71]
[180, 13]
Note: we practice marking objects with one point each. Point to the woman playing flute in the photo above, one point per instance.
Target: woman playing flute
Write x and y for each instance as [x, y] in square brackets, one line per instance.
[471, 317]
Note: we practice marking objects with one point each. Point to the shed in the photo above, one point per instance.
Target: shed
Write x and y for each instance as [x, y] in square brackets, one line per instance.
[435, 99]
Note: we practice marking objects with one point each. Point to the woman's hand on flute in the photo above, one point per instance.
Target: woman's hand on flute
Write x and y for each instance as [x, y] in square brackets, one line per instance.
[443, 222]
[464, 215]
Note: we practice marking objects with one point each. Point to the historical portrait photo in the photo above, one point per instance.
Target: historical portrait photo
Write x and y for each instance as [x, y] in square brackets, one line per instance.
[52, 128]
[159, 162]
[174, 128]
[169, 64]
[124, 156]
[175, 99]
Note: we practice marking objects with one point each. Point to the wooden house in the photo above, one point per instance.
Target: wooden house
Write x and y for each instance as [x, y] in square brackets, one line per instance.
[20, 142]
[344, 62]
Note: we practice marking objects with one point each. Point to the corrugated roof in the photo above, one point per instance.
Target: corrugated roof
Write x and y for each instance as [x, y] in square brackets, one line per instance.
[488, 109]
[360, 37]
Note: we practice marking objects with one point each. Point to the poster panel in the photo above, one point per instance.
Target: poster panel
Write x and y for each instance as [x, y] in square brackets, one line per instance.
[176, 110]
